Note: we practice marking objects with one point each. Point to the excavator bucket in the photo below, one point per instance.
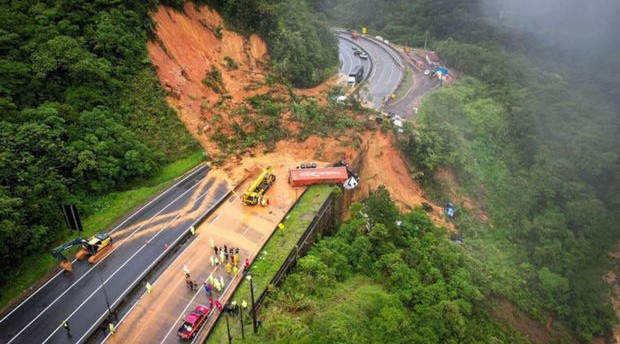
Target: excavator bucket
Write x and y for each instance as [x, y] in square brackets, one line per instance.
[66, 265]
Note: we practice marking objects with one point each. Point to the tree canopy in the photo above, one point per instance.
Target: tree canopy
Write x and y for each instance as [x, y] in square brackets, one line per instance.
[530, 131]
[383, 277]
[83, 114]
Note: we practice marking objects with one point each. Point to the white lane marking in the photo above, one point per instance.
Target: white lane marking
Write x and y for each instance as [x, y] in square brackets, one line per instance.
[96, 264]
[349, 61]
[183, 313]
[148, 269]
[221, 299]
[117, 270]
[115, 228]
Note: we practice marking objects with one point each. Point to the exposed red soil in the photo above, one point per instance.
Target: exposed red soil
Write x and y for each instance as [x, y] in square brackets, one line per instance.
[187, 48]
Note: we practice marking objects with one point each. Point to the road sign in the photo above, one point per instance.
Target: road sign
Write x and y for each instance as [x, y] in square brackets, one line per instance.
[71, 217]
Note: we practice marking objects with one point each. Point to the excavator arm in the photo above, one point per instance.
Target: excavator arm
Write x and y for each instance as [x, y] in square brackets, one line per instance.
[57, 252]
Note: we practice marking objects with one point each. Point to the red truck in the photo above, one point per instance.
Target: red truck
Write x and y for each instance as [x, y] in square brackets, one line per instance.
[311, 176]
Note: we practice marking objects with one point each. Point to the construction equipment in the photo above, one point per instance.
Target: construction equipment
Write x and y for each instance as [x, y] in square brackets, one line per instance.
[255, 194]
[94, 248]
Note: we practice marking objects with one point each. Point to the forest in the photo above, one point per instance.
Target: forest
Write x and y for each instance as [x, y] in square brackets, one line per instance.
[83, 113]
[530, 131]
[382, 277]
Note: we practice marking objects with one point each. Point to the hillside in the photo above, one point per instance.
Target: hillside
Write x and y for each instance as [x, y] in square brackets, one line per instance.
[82, 116]
[209, 114]
[97, 98]
[530, 136]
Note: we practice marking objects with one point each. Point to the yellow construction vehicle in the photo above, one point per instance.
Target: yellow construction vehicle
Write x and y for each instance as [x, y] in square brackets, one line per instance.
[94, 248]
[256, 192]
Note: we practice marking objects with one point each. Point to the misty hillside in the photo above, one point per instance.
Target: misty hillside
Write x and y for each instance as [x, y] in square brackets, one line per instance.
[531, 131]
[525, 142]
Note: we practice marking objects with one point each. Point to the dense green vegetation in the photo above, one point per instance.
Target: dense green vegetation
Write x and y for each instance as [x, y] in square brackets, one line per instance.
[302, 49]
[104, 212]
[532, 136]
[82, 115]
[258, 122]
[383, 277]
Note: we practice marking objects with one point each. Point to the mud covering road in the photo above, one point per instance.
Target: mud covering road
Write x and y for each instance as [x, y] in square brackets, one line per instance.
[82, 297]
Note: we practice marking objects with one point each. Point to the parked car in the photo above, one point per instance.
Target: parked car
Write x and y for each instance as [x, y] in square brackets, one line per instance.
[193, 321]
[427, 72]
[354, 47]
[357, 52]
[363, 56]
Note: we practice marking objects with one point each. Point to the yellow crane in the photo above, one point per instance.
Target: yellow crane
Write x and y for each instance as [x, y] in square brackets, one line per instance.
[255, 193]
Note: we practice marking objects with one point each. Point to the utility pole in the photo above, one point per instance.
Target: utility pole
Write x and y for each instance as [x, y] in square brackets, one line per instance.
[105, 295]
[228, 329]
[241, 320]
[253, 311]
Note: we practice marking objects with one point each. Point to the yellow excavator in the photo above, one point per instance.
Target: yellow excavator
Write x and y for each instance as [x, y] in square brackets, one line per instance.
[95, 248]
[255, 194]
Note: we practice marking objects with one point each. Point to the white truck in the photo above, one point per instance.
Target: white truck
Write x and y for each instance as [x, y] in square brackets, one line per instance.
[356, 75]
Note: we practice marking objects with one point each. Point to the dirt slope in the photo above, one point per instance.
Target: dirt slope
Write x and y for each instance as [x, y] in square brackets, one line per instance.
[187, 47]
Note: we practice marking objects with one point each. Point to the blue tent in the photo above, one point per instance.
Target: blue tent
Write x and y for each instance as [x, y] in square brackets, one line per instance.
[442, 71]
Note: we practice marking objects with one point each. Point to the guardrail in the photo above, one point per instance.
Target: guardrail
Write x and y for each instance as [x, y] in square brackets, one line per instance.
[302, 246]
[391, 51]
[153, 265]
[358, 86]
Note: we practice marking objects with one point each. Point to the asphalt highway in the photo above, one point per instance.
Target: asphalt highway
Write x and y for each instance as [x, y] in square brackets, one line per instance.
[85, 296]
[386, 72]
[348, 60]
[412, 97]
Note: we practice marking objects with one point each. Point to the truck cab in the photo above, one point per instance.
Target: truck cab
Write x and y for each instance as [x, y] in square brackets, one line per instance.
[356, 75]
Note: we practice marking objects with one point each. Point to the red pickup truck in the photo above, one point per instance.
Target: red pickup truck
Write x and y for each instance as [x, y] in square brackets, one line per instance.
[193, 321]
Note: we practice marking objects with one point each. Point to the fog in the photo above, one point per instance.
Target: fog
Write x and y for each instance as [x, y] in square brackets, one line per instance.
[576, 28]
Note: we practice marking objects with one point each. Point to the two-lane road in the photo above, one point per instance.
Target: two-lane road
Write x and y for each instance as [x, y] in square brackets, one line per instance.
[386, 73]
[348, 59]
[83, 296]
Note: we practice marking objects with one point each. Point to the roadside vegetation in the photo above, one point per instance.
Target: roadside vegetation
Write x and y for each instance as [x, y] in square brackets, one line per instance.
[83, 117]
[533, 144]
[104, 211]
[384, 276]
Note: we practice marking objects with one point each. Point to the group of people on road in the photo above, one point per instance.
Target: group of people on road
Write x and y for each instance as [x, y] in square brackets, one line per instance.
[230, 257]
